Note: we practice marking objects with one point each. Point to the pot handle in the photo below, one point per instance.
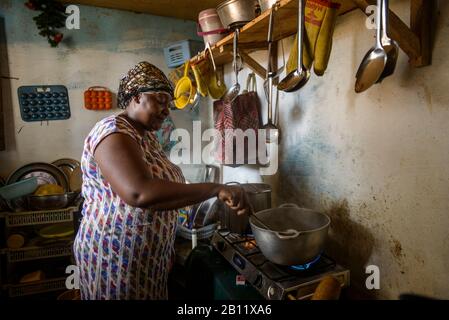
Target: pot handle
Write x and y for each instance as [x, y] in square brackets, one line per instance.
[232, 182]
[288, 234]
[186, 68]
[289, 205]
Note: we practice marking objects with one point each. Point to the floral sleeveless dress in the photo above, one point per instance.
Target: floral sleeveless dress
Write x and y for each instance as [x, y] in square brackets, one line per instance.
[123, 252]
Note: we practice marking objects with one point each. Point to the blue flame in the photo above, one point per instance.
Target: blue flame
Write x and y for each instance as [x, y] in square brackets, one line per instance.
[306, 266]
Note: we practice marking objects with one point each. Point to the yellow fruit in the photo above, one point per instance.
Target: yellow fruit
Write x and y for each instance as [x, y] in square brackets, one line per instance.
[48, 189]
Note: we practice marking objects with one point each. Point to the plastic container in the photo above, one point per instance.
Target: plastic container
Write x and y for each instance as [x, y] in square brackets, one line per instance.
[212, 29]
[97, 98]
[19, 189]
[43, 103]
[178, 52]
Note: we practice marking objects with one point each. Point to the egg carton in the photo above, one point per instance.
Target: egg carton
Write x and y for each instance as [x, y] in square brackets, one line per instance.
[44, 103]
[98, 98]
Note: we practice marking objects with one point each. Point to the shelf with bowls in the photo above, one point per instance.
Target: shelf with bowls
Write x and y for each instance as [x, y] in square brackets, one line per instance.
[46, 242]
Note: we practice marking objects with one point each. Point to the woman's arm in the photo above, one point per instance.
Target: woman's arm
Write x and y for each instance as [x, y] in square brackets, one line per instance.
[121, 162]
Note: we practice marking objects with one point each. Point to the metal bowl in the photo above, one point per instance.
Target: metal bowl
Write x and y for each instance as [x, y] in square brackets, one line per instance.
[48, 202]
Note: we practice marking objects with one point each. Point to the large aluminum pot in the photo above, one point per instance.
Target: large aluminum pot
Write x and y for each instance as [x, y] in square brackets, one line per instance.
[236, 13]
[291, 235]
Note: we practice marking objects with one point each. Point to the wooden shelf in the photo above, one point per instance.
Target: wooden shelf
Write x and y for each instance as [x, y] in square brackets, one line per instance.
[414, 40]
[253, 36]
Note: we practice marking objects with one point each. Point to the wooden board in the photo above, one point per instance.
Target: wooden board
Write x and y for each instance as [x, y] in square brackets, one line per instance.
[421, 12]
[187, 10]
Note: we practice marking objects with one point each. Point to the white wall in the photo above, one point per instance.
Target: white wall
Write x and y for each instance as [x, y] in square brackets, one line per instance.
[108, 43]
[376, 162]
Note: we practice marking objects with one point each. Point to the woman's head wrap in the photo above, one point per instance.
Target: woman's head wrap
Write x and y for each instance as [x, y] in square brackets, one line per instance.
[143, 77]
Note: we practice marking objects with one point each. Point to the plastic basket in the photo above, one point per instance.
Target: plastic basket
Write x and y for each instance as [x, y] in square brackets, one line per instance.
[30, 218]
[177, 53]
[201, 233]
[33, 253]
[19, 290]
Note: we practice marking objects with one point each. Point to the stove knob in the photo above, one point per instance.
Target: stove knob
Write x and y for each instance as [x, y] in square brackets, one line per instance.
[271, 292]
[221, 245]
[258, 281]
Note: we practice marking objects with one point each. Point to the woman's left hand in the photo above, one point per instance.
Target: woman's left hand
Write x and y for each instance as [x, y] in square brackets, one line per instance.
[235, 198]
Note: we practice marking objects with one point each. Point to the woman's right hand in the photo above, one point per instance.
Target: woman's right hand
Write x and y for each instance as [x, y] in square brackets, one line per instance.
[235, 198]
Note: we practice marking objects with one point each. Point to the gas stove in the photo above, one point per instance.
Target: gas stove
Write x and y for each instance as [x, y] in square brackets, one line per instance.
[275, 282]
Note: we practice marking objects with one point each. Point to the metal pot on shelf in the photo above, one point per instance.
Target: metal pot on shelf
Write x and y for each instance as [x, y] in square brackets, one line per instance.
[236, 13]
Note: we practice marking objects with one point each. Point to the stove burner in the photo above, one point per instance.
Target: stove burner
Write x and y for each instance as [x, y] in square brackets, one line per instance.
[305, 266]
[271, 280]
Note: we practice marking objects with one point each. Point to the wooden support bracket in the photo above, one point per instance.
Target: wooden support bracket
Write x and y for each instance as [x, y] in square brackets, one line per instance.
[256, 67]
[421, 23]
[253, 65]
[415, 40]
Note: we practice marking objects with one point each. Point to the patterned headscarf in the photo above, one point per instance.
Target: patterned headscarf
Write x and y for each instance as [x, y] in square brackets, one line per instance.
[143, 77]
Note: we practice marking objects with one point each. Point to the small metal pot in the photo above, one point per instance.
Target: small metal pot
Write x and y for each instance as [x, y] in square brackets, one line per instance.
[236, 13]
[259, 195]
[289, 235]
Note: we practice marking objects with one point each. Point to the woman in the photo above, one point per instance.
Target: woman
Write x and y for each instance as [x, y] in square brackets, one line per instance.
[125, 244]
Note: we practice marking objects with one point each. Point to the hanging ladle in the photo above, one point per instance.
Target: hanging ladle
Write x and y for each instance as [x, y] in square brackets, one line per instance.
[233, 91]
[277, 74]
[373, 64]
[296, 79]
[390, 46]
[272, 132]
